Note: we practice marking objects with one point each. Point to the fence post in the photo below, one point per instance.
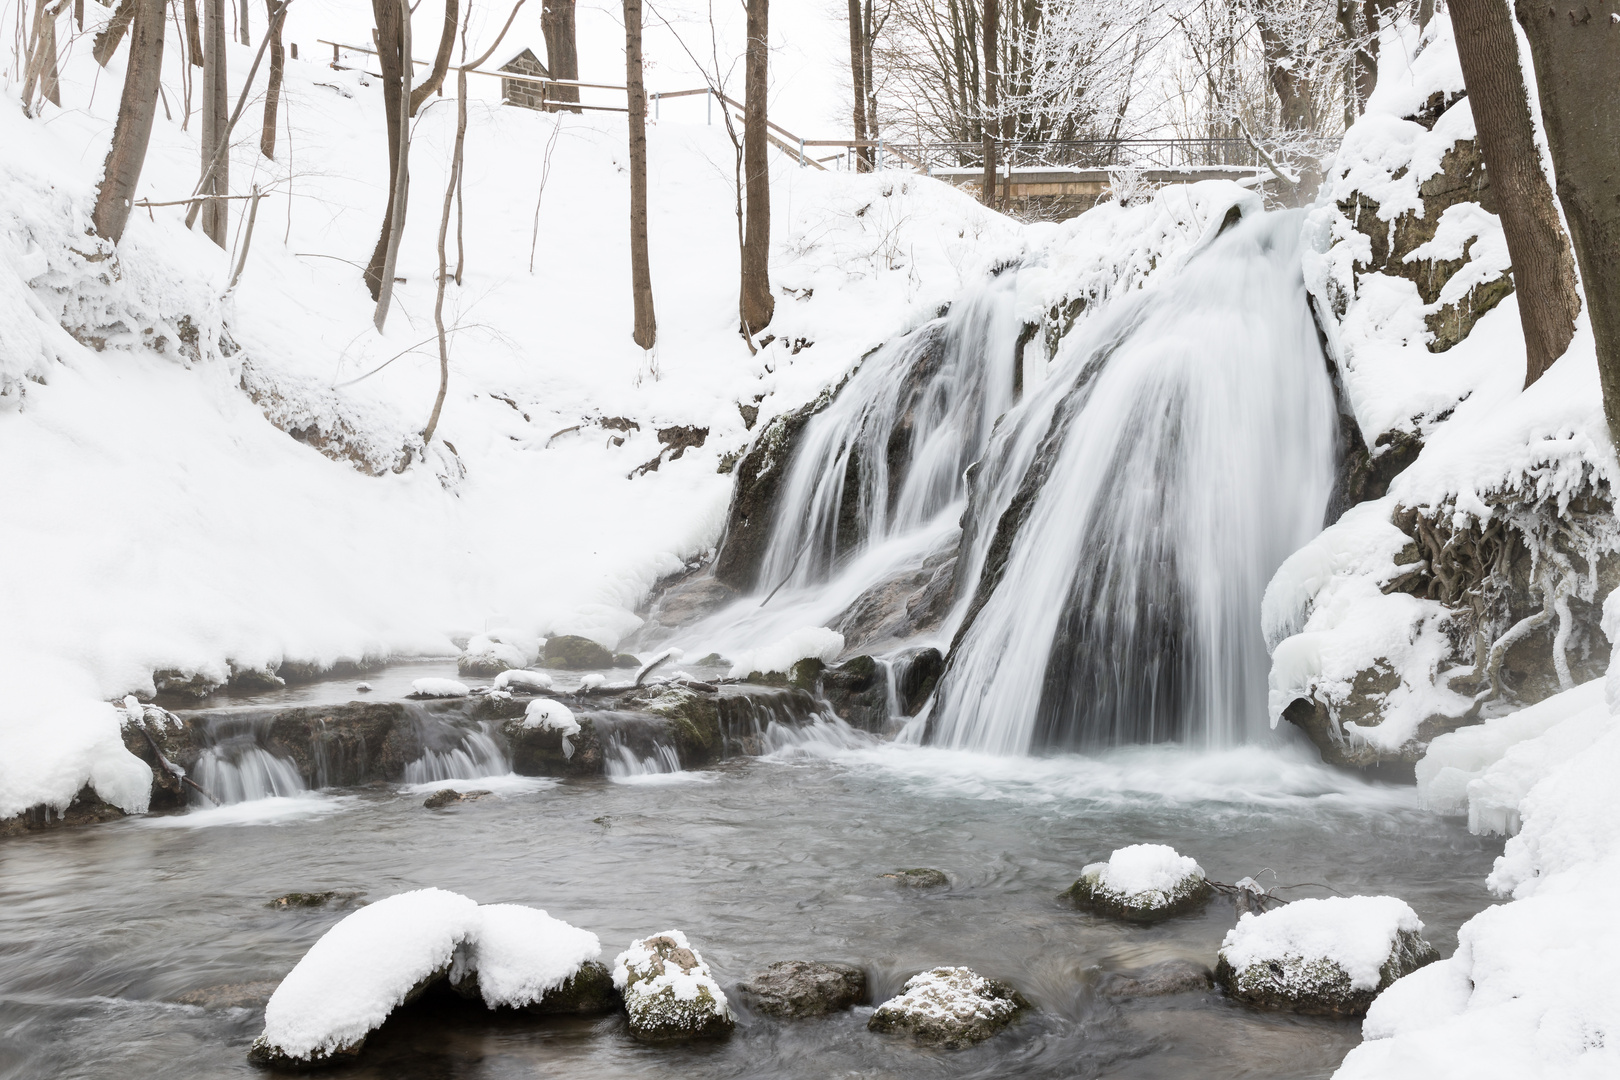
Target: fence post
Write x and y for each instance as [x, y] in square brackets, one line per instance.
[658, 109]
[801, 152]
[879, 164]
[708, 101]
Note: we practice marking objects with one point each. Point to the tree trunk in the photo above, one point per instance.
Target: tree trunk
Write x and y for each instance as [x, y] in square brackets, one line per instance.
[242, 22]
[757, 304]
[50, 81]
[562, 49]
[215, 123]
[272, 92]
[441, 59]
[869, 32]
[992, 19]
[1543, 269]
[400, 197]
[193, 34]
[857, 71]
[134, 128]
[106, 42]
[646, 331]
[1574, 54]
[389, 56]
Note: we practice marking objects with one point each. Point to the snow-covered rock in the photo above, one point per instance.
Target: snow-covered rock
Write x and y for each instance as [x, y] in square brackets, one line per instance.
[953, 1007]
[800, 988]
[438, 688]
[1142, 883]
[780, 656]
[388, 954]
[533, 682]
[668, 991]
[1326, 957]
[486, 656]
[550, 715]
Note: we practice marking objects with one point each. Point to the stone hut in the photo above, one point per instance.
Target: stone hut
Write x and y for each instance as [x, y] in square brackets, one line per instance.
[524, 94]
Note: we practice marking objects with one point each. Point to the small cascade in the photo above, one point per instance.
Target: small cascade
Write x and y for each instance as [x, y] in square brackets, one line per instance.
[461, 754]
[622, 761]
[1129, 514]
[241, 771]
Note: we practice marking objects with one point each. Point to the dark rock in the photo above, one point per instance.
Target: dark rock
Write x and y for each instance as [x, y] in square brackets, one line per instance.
[626, 660]
[1089, 894]
[87, 808]
[1159, 980]
[538, 751]
[920, 878]
[693, 720]
[182, 684]
[446, 796]
[662, 1016]
[572, 653]
[858, 691]
[793, 989]
[678, 601]
[916, 673]
[910, 602]
[748, 711]
[586, 992]
[1318, 986]
[255, 680]
[335, 897]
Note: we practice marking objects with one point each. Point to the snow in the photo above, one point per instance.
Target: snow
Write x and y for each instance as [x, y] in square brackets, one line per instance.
[438, 688]
[551, 715]
[519, 679]
[520, 953]
[812, 642]
[1357, 933]
[956, 994]
[1144, 868]
[484, 649]
[365, 966]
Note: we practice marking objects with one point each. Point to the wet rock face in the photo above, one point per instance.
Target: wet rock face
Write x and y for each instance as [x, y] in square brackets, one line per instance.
[795, 989]
[449, 797]
[587, 992]
[87, 808]
[541, 751]
[922, 877]
[669, 994]
[1318, 986]
[1160, 980]
[907, 604]
[858, 691]
[572, 653]
[951, 1007]
[693, 720]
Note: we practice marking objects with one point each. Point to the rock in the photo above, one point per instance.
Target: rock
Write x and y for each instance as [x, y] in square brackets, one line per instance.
[920, 878]
[901, 606]
[1323, 957]
[1142, 883]
[916, 673]
[316, 899]
[183, 684]
[87, 808]
[858, 691]
[793, 989]
[669, 994]
[588, 991]
[626, 660]
[693, 720]
[953, 1007]
[572, 653]
[247, 995]
[1159, 980]
[254, 680]
[547, 751]
[445, 796]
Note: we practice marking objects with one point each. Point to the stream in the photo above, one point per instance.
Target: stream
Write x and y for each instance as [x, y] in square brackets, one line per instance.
[146, 947]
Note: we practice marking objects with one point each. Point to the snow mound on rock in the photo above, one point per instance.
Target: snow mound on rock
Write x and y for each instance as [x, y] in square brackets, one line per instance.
[1139, 870]
[953, 1006]
[1358, 933]
[519, 679]
[520, 953]
[668, 989]
[550, 715]
[363, 969]
[439, 688]
[816, 642]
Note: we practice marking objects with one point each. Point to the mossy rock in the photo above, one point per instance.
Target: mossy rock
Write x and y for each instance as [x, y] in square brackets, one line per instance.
[626, 660]
[586, 992]
[570, 652]
[1090, 894]
[1317, 986]
[539, 751]
[922, 877]
[950, 1007]
[693, 719]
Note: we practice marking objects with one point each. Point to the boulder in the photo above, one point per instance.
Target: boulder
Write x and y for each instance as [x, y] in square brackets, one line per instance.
[922, 877]
[547, 751]
[316, 899]
[669, 994]
[693, 720]
[486, 657]
[1158, 980]
[572, 653]
[1142, 883]
[953, 1007]
[1323, 957]
[87, 808]
[586, 992]
[858, 691]
[446, 796]
[793, 989]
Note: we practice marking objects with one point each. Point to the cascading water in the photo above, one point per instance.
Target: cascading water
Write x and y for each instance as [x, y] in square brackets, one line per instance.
[1131, 512]
[475, 754]
[235, 773]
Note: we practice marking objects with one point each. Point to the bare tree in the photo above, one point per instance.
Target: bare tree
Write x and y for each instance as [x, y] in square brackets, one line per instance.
[562, 49]
[216, 158]
[992, 108]
[441, 59]
[122, 170]
[646, 329]
[756, 304]
[1543, 269]
[857, 71]
[194, 43]
[1574, 55]
[112, 34]
[392, 29]
[272, 91]
[242, 23]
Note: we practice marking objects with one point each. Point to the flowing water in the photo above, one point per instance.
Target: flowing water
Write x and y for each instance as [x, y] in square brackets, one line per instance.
[146, 947]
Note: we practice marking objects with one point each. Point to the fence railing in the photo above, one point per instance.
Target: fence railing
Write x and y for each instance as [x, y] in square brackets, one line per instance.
[1086, 154]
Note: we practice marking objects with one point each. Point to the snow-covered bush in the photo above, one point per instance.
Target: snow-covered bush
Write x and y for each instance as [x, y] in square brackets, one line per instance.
[953, 1007]
[668, 991]
[1142, 883]
[1328, 957]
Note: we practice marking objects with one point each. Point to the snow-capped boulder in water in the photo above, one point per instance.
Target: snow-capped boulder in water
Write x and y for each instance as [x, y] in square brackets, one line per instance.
[793, 989]
[953, 1007]
[668, 991]
[1142, 883]
[522, 681]
[485, 656]
[375, 960]
[438, 688]
[1325, 957]
[387, 955]
[523, 958]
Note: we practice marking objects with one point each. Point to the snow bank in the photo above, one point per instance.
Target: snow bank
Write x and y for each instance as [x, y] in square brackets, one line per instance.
[383, 955]
[364, 968]
[438, 688]
[520, 953]
[550, 715]
[815, 642]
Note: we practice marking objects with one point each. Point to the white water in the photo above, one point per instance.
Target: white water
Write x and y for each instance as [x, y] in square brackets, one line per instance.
[249, 774]
[478, 755]
[1196, 430]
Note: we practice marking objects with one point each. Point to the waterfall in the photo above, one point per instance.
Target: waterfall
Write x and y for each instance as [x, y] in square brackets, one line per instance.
[232, 773]
[475, 754]
[1128, 515]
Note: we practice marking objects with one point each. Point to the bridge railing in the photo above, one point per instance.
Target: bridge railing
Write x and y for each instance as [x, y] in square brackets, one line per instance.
[1084, 154]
